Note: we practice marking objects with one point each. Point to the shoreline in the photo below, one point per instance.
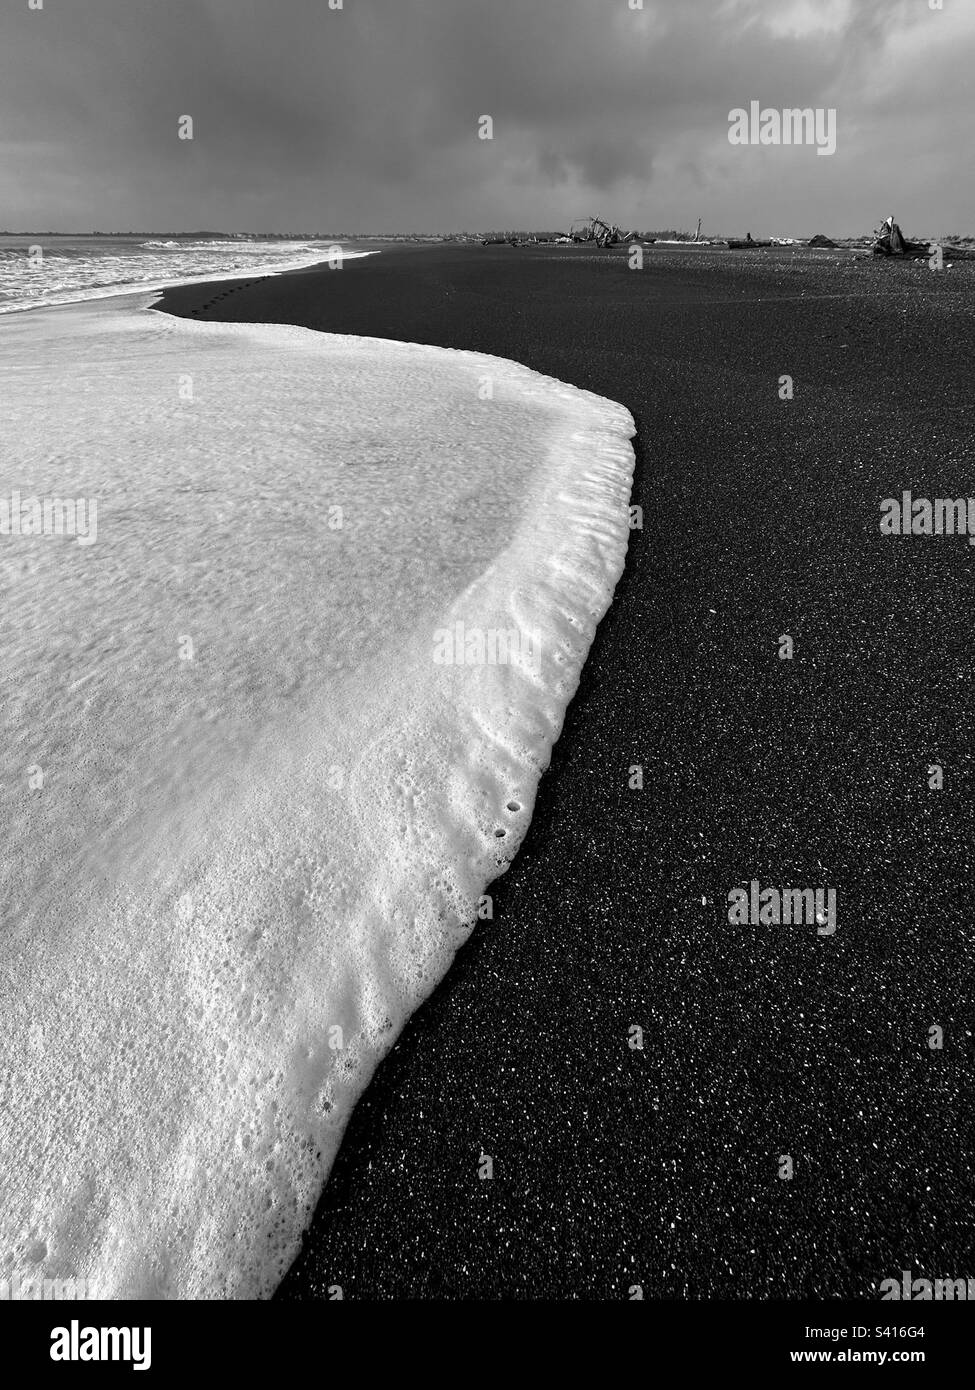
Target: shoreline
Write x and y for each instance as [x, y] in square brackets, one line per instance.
[615, 1167]
[126, 291]
[295, 890]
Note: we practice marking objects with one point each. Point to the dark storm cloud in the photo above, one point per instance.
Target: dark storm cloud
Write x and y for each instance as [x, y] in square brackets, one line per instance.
[307, 117]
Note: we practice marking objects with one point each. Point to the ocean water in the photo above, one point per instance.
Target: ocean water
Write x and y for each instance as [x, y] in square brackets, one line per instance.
[37, 270]
[262, 751]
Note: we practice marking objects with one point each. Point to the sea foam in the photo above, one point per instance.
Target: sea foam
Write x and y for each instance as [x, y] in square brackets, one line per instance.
[248, 813]
[38, 273]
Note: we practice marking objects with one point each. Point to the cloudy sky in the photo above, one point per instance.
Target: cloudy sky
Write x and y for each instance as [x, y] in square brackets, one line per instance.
[366, 117]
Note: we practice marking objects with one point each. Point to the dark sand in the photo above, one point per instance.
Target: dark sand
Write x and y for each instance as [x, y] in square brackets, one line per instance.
[615, 1167]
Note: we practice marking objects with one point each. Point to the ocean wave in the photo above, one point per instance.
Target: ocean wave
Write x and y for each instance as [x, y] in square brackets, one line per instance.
[262, 756]
[57, 277]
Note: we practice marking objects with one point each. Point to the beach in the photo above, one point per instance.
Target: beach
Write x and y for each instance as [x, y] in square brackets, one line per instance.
[280, 680]
[662, 1168]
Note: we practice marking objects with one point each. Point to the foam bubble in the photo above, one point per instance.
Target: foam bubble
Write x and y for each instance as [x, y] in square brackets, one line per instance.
[244, 869]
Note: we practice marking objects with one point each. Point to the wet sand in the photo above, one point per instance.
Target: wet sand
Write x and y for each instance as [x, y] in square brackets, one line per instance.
[660, 1167]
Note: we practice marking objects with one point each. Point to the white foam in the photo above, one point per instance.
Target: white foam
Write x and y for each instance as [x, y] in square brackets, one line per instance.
[64, 277]
[233, 856]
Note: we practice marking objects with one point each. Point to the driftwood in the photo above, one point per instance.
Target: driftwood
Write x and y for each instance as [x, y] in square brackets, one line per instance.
[891, 241]
[595, 229]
